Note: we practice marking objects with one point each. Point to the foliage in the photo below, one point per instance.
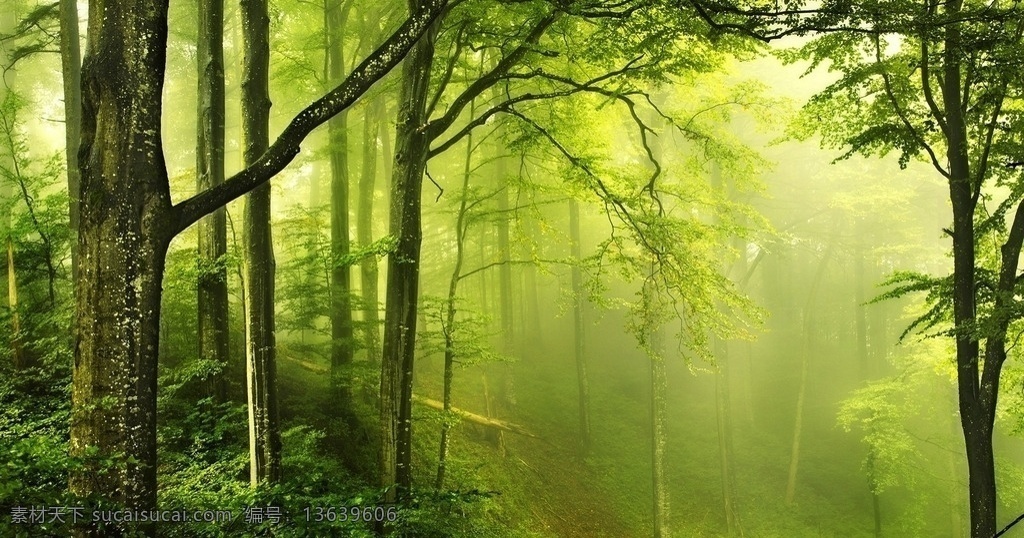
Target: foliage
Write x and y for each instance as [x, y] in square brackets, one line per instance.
[305, 276]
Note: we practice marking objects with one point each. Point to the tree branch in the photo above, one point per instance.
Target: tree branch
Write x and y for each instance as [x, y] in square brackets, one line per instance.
[287, 145]
[435, 128]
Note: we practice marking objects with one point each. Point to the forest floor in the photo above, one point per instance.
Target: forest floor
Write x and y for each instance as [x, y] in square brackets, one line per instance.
[567, 498]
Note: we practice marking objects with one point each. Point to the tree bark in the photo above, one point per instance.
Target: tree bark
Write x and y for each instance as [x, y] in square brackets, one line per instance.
[71, 69]
[403, 268]
[364, 230]
[123, 234]
[723, 414]
[341, 274]
[261, 368]
[213, 282]
[659, 389]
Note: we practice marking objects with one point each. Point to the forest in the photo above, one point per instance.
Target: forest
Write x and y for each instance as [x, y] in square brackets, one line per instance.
[522, 268]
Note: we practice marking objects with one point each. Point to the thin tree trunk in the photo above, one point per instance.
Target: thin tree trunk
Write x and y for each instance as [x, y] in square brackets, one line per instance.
[723, 380]
[17, 351]
[579, 326]
[8, 126]
[341, 274]
[864, 360]
[506, 316]
[659, 389]
[450, 309]
[808, 330]
[213, 282]
[364, 230]
[71, 69]
[403, 269]
[723, 414]
[261, 368]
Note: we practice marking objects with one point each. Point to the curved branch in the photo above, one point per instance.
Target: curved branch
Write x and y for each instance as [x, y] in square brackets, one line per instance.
[286, 147]
[901, 113]
[438, 126]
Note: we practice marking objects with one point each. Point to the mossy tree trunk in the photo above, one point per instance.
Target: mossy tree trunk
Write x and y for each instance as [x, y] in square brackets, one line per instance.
[411, 147]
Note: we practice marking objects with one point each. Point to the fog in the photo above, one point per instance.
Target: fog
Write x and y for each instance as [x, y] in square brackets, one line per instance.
[696, 291]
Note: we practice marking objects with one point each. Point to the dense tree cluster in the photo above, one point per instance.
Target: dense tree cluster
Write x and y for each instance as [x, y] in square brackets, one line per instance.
[595, 156]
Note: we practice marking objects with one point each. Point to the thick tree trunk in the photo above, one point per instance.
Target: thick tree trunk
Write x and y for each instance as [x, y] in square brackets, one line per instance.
[403, 268]
[579, 328]
[123, 234]
[341, 274]
[71, 69]
[364, 230]
[213, 278]
[261, 368]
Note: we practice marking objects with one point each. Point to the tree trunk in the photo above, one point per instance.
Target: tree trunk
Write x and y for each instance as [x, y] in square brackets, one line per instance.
[723, 414]
[976, 400]
[341, 289]
[364, 230]
[261, 369]
[71, 69]
[123, 234]
[579, 326]
[17, 352]
[449, 322]
[808, 330]
[723, 381]
[864, 360]
[213, 279]
[403, 268]
[659, 389]
[508, 335]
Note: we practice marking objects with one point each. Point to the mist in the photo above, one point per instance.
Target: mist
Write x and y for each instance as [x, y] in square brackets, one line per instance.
[566, 270]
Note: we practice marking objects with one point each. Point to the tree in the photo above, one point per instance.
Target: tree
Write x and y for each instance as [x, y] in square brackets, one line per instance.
[71, 68]
[411, 146]
[335, 18]
[213, 278]
[579, 328]
[939, 91]
[261, 365]
[128, 220]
